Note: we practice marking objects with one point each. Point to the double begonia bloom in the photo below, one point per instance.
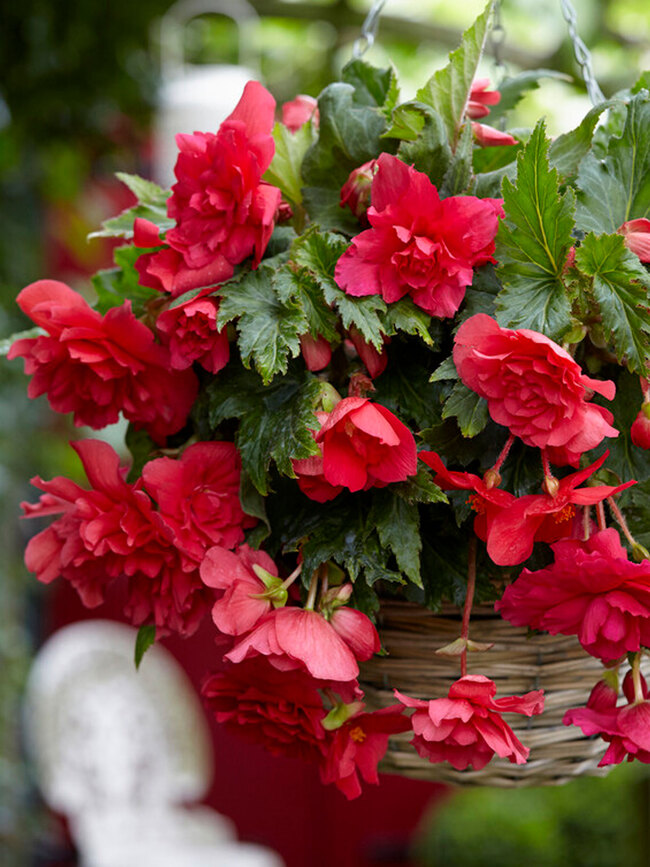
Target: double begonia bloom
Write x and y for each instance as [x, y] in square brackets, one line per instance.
[98, 366]
[190, 331]
[198, 496]
[364, 445]
[590, 590]
[466, 728]
[297, 638]
[636, 234]
[112, 531]
[418, 244]
[533, 387]
[310, 474]
[357, 747]
[626, 728]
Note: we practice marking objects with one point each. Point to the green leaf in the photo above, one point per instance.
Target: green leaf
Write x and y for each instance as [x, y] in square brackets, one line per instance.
[481, 296]
[459, 174]
[620, 287]
[276, 420]
[7, 342]
[141, 447]
[285, 169]
[114, 286]
[319, 252]
[468, 408]
[617, 188]
[514, 88]
[372, 86]
[421, 488]
[488, 184]
[403, 315]
[569, 149]
[398, 526]
[366, 314]
[302, 288]
[269, 326]
[404, 387]
[144, 639]
[448, 89]
[407, 121]
[491, 159]
[533, 242]
[253, 503]
[625, 459]
[447, 370]
[643, 82]
[430, 151]
[152, 205]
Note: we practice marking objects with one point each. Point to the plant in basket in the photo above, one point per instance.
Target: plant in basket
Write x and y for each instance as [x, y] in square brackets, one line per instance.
[375, 354]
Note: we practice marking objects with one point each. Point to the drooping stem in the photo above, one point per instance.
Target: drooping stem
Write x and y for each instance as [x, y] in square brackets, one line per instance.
[636, 678]
[289, 581]
[469, 599]
[586, 522]
[600, 516]
[503, 454]
[313, 589]
[620, 519]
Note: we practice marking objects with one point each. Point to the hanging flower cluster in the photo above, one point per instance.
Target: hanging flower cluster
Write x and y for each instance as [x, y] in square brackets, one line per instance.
[345, 362]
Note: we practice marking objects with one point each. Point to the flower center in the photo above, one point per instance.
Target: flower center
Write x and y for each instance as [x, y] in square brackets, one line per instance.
[477, 503]
[358, 735]
[565, 514]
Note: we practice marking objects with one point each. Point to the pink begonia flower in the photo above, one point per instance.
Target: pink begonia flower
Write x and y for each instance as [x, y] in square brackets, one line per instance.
[640, 430]
[311, 476]
[488, 137]
[542, 517]
[190, 331]
[466, 728]
[293, 638]
[316, 351]
[298, 111]
[533, 387]
[220, 203]
[358, 746]
[590, 590]
[282, 710]
[355, 192]
[198, 496]
[242, 603]
[626, 728]
[374, 359]
[636, 234]
[112, 531]
[480, 98]
[98, 366]
[418, 244]
[365, 445]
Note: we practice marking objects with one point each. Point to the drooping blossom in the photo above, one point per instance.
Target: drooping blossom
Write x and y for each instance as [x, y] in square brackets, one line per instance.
[640, 430]
[590, 590]
[355, 192]
[245, 598]
[636, 234]
[357, 747]
[626, 729]
[316, 351]
[533, 387]
[364, 445]
[310, 474]
[298, 111]
[109, 532]
[98, 366]
[544, 517]
[418, 244]
[298, 638]
[467, 728]
[480, 98]
[488, 137]
[375, 360]
[198, 496]
[190, 331]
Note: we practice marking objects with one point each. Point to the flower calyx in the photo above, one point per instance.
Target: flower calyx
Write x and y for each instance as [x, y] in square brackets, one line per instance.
[275, 591]
[334, 598]
[340, 714]
[460, 645]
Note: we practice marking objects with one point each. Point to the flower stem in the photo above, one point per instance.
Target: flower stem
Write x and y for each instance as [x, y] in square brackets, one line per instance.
[636, 678]
[616, 512]
[469, 599]
[289, 581]
[311, 596]
[586, 522]
[600, 516]
[503, 454]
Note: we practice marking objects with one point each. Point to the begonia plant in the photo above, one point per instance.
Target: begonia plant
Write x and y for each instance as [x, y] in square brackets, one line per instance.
[364, 350]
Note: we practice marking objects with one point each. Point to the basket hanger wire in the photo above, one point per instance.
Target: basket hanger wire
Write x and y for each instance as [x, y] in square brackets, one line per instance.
[369, 28]
[582, 53]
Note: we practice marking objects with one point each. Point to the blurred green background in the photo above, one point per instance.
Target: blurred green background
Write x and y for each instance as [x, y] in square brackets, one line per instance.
[78, 87]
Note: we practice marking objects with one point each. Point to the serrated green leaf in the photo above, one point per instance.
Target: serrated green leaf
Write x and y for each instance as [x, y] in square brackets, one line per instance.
[319, 251]
[421, 488]
[407, 121]
[152, 205]
[398, 526]
[366, 314]
[458, 176]
[642, 83]
[446, 370]
[617, 188]
[405, 316]
[268, 328]
[488, 184]
[141, 447]
[304, 289]
[448, 89]
[285, 169]
[533, 242]
[620, 287]
[114, 286]
[513, 89]
[430, 151]
[373, 86]
[468, 408]
[7, 342]
[145, 191]
[492, 159]
[569, 149]
[144, 639]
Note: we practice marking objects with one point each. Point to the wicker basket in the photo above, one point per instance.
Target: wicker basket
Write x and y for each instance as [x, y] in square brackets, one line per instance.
[517, 663]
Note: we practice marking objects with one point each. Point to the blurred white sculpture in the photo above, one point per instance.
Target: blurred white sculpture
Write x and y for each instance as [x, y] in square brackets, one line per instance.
[121, 753]
[197, 97]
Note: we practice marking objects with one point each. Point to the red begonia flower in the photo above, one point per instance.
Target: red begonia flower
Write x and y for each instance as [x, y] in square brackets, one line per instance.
[365, 445]
[98, 366]
[591, 590]
[636, 234]
[640, 430]
[489, 137]
[355, 192]
[466, 728]
[310, 474]
[298, 111]
[316, 351]
[418, 244]
[190, 331]
[375, 360]
[533, 387]
[480, 98]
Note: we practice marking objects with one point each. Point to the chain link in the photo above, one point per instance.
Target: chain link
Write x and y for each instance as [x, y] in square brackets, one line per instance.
[497, 40]
[368, 30]
[582, 54]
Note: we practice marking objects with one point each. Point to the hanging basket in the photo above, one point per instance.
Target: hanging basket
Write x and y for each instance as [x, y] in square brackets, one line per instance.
[517, 663]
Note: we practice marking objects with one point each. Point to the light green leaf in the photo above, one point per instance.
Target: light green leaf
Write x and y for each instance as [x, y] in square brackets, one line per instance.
[285, 169]
[514, 88]
[430, 150]
[620, 287]
[568, 150]
[407, 121]
[144, 639]
[448, 89]
[403, 315]
[7, 342]
[114, 286]
[468, 408]
[152, 205]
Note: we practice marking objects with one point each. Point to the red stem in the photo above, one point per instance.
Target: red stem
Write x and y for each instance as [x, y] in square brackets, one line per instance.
[469, 599]
[600, 516]
[616, 512]
[504, 453]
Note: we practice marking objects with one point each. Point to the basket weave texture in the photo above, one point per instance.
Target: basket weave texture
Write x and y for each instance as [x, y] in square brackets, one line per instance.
[517, 664]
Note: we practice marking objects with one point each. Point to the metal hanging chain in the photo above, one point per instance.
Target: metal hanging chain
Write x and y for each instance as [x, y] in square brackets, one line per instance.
[497, 40]
[582, 54]
[368, 30]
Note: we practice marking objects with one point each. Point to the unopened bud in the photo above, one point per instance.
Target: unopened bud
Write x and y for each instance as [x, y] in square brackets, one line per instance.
[551, 486]
[640, 553]
[492, 479]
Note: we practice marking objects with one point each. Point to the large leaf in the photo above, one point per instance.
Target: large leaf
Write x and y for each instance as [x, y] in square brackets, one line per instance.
[152, 205]
[372, 86]
[617, 188]
[533, 242]
[429, 150]
[448, 89]
[398, 526]
[625, 459]
[285, 169]
[468, 408]
[569, 149]
[514, 88]
[620, 286]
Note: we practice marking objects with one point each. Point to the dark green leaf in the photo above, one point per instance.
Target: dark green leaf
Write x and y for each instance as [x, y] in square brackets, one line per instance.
[448, 89]
[7, 342]
[366, 314]
[152, 205]
[533, 242]
[568, 150]
[514, 88]
[285, 169]
[447, 370]
[459, 174]
[372, 86]
[404, 387]
[420, 488]
[488, 185]
[466, 406]
[620, 287]
[144, 639]
[398, 526]
[319, 252]
[481, 296]
[141, 447]
[302, 287]
[430, 151]
[625, 459]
